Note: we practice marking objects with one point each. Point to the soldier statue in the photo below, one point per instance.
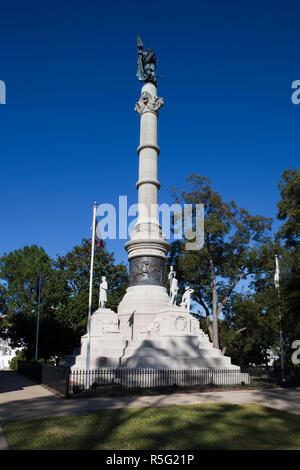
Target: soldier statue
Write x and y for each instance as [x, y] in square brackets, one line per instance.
[103, 292]
[186, 298]
[173, 290]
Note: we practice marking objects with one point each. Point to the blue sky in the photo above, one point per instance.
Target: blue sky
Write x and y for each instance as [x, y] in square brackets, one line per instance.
[69, 133]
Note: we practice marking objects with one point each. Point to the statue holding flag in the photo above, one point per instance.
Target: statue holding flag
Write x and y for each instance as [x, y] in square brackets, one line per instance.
[146, 63]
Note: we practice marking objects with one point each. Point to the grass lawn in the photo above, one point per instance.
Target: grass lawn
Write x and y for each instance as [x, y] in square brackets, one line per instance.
[210, 426]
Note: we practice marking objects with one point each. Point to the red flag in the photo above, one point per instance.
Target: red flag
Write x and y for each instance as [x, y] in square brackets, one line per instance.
[98, 238]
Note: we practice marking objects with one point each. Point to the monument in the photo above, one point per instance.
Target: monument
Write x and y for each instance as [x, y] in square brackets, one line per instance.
[149, 330]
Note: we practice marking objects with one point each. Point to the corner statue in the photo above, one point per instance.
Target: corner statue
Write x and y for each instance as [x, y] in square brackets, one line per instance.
[146, 63]
[186, 299]
[103, 292]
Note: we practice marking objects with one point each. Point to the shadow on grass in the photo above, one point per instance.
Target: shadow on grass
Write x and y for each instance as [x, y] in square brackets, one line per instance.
[210, 426]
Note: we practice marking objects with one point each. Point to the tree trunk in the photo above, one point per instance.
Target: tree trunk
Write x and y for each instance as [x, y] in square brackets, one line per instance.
[210, 329]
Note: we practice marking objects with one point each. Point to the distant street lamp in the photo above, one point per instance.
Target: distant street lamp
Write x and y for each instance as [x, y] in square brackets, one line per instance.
[38, 318]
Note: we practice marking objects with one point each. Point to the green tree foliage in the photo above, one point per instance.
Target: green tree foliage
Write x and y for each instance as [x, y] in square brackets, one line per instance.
[64, 296]
[289, 236]
[289, 207]
[74, 272]
[20, 271]
[20, 356]
[249, 330]
[236, 245]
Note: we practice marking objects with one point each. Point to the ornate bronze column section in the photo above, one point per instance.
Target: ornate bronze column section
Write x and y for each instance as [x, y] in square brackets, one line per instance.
[147, 270]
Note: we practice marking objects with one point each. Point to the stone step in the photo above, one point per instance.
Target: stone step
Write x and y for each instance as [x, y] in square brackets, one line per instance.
[176, 363]
[205, 344]
[144, 362]
[209, 352]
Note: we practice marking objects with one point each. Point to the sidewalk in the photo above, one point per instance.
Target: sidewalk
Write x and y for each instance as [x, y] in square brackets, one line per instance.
[22, 399]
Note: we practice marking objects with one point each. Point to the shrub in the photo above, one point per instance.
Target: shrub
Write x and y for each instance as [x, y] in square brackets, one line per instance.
[20, 356]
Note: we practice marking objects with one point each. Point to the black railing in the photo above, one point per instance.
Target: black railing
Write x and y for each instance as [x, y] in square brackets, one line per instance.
[122, 381]
[56, 378]
[32, 370]
[274, 374]
[128, 381]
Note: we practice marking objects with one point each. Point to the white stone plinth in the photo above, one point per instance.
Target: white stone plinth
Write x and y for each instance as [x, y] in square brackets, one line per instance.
[107, 344]
[144, 302]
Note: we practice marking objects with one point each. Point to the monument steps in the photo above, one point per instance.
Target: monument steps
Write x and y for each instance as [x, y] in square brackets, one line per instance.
[181, 352]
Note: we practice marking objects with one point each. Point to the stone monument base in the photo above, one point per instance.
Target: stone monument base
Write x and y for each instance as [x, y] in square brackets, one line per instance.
[107, 344]
[172, 340]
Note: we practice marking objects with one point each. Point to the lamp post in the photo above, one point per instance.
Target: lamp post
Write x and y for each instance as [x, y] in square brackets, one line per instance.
[38, 318]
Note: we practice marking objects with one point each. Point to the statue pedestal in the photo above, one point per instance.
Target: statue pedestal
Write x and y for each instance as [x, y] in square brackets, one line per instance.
[171, 340]
[106, 342]
[146, 302]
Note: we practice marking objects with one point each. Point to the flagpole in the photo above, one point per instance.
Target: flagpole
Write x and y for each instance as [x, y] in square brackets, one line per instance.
[280, 319]
[91, 290]
[38, 319]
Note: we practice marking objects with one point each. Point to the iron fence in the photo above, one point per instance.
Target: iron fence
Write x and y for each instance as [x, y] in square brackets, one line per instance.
[32, 370]
[72, 383]
[118, 381]
[274, 374]
[56, 378]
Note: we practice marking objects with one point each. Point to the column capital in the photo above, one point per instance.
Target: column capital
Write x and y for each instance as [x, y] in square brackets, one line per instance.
[148, 104]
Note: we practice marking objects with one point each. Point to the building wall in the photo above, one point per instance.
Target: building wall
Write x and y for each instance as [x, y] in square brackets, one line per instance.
[6, 354]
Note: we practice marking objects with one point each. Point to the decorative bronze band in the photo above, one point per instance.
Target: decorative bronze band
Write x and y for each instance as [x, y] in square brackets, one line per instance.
[147, 270]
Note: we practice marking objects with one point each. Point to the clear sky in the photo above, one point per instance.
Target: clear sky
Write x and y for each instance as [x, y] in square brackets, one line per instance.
[69, 133]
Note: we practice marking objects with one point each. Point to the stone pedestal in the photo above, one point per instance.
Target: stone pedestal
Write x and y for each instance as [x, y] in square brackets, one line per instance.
[107, 344]
[170, 339]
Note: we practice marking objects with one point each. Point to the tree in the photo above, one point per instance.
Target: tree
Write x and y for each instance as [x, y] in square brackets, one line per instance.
[64, 296]
[250, 327]
[260, 309]
[236, 245]
[74, 270]
[289, 236]
[289, 207]
[19, 272]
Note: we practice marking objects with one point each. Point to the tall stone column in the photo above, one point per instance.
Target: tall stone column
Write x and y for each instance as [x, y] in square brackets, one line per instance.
[147, 248]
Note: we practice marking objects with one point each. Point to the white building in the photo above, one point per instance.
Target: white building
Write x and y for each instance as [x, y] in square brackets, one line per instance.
[6, 354]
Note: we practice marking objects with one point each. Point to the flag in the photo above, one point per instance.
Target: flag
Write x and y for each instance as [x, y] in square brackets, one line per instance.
[131, 319]
[98, 238]
[277, 272]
